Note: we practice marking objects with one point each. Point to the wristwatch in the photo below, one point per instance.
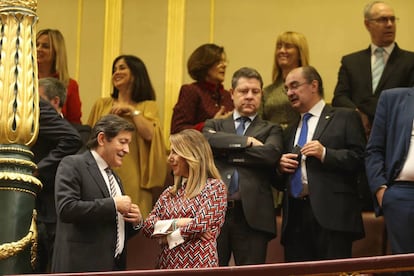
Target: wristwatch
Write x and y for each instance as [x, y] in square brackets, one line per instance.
[135, 113]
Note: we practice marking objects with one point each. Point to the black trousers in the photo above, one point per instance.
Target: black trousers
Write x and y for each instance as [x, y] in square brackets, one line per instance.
[307, 240]
[248, 246]
[46, 239]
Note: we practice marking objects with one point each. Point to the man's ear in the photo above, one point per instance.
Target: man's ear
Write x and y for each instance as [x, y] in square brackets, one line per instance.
[101, 138]
[55, 101]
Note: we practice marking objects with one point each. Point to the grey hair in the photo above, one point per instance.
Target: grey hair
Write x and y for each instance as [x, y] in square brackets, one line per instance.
[54, 88]
[368, 8]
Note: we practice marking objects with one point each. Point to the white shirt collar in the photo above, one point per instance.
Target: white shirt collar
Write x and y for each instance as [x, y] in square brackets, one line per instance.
[316, 110]
[237, 115]
[387, 50]
[99, 160]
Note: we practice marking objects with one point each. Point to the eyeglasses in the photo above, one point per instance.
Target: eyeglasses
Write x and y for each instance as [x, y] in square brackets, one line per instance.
[293, 86]
[384, 19]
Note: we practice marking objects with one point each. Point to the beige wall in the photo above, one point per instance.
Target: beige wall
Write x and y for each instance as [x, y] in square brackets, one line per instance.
[247, 29]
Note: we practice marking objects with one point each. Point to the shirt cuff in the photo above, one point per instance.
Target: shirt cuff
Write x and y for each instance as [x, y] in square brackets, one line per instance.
[162, 227]
[174, 239]
[139, 225]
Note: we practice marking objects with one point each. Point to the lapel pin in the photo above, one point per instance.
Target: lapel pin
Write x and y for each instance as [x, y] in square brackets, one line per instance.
[327, 117]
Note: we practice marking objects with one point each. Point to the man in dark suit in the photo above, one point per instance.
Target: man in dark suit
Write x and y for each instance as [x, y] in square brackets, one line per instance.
[56, 139]
[246, 150]
[389, 166]
[355, 88]
[95, 219]
[54, 91]
[321, 210]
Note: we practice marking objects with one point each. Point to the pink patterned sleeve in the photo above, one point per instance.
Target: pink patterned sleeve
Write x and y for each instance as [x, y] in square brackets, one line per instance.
[155, 214]
[211, 212]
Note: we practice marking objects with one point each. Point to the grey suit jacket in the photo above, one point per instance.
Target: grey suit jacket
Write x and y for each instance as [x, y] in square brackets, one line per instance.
[256, 165]
[354, 87]
[86, 226]
[333, 183]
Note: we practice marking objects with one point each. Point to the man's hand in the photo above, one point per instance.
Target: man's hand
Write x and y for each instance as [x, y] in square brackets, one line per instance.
[313, 148]
[288, 163]
[123, 204]
[380, 194]
[254, 142]
[222, 114]
[133, 215]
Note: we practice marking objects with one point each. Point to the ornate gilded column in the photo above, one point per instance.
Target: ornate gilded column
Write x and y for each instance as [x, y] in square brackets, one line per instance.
[19, 117]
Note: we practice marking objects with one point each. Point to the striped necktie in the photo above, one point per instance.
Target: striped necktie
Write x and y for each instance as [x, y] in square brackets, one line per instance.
[113, 193]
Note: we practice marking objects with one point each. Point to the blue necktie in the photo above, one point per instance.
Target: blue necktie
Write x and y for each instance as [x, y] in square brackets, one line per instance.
[296, 180]
[234, 182]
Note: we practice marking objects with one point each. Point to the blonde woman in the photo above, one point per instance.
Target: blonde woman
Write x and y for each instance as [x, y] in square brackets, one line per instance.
[52, 62]
[188, 215]
[291, 52]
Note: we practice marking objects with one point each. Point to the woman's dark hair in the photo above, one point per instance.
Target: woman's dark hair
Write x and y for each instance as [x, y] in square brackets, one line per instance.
[201, 60]
[142, 89]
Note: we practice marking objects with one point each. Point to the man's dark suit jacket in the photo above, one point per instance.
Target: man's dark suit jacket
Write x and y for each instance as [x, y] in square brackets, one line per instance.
[86, 226]
[389, 142]
[56, 139]
[332, 184]
[354, 87]
[256, 165]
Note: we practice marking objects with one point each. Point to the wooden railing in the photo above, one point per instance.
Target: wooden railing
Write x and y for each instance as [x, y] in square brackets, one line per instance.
[353, 266]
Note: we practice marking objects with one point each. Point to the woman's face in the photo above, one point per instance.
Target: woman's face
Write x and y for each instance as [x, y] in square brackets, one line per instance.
[178, 164]
[287, 55]
[122, 78]
[216, 72]
[45, 53]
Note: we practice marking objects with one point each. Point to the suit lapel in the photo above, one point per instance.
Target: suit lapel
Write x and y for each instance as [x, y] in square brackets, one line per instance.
[408, 112]
[96, 174]
[228, 124]
[366, 70]
[388, 69]
[326, 117]
[253, 127]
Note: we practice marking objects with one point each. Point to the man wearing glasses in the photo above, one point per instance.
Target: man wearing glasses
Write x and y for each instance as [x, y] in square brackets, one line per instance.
[324, 152]
[355, 87]
[364, 74]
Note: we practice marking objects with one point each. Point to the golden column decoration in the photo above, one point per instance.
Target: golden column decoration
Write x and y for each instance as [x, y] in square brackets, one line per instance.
[174, 60]
[19, 124]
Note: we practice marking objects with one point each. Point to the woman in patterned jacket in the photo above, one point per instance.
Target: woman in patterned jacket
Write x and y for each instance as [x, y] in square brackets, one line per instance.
[188, 216]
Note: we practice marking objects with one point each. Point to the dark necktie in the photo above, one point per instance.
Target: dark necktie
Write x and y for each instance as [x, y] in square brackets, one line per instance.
[234, 182]
[113, 193]
[296, 180]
